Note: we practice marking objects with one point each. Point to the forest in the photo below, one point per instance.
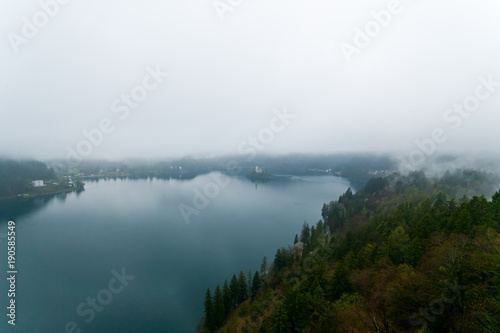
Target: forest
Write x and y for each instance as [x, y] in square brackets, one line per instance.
[16, 176]
[404, 254]
[355, 167]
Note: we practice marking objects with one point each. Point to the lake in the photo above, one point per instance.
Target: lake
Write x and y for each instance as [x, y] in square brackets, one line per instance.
[126, 243]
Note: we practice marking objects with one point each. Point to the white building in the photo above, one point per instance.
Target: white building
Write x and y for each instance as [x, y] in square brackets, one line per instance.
[37, 183]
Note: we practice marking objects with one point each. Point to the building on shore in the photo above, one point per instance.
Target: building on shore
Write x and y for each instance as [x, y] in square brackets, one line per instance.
[37, 183]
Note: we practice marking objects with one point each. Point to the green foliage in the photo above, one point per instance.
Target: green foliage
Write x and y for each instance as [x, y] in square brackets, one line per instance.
[375, 185]
[402, 255]
[227, 298]
[210, 316]
[263, 266]
[249, 282]
[305, 235]
[341, 282]
[398, 243]
[234, 289]
[280, 321]
[16, 176]
[256, 285]
[496, 210]
[218, 305]
[242, 288]
[282, 259]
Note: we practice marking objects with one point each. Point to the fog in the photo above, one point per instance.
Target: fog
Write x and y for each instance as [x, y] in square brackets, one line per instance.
[161, 79]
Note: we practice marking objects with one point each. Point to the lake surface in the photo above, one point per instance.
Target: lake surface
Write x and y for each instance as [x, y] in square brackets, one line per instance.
[68, 246]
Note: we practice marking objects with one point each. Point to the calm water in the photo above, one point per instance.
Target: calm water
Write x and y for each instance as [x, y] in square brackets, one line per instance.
[67, 247]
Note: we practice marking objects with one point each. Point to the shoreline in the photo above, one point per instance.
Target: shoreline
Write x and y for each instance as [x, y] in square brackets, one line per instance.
[36, 195]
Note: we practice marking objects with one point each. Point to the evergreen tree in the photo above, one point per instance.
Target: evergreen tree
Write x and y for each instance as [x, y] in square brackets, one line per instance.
[263, 266]
[348, 195]
[235, 290]
[280, 322]
[264, 328]
[462, 220]
[263, 272]
[296, 240]
[210, 322]
[399, 243]
[295, 305]
[313, 236]
[256, 284]
[305, 235]
[317, 304]
[320, 228]
[341, 283]
[281, 259]
[242, 288]
[249, 281]
[496, 210]
[325, 212]
[480, 211]
[317, 234]
[218, 304]
[228, 301]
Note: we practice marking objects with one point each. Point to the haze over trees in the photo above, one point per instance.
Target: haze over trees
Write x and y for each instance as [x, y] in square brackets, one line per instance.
[16, 176]
[405, 254]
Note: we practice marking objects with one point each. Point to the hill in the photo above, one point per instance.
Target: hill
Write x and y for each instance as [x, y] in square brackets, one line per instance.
[405, 254]
[16, 179]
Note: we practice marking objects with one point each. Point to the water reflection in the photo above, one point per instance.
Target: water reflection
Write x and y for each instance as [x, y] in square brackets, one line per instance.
[15, 208]
[69, 244]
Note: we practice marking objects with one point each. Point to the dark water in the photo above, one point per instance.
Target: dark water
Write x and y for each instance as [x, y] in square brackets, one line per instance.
[68, 246]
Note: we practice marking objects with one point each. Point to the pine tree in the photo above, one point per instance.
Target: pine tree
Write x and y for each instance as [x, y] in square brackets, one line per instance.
[296, 240]
[325, 212]
[317, 234]
[480, 212]
[317, 304]
[280, 322]
[280, 260]
[228, 301]
[462, 220]
[242, 288]
[496, 209]
[263, 266]
[320, 228]
[305, 236]
[249, 280]
[263, 272]
[399, 243]
[218, 304]
[256, 284]
[235, 290]
[341, 282]
[313, 236]
[210, 323]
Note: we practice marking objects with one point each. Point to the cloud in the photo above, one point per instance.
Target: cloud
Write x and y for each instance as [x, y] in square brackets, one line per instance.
[227, 76]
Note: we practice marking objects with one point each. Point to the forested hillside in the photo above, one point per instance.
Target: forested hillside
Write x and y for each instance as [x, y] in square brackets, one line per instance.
[405, 254]
[16, 176]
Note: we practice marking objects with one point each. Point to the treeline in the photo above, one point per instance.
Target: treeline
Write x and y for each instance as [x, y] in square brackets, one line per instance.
[225, 299]
[348, 165]
[383, 195]
[16, 176]
[402, 255]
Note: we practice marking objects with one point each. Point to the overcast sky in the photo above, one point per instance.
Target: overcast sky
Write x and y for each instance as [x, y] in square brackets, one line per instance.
[230, 70]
